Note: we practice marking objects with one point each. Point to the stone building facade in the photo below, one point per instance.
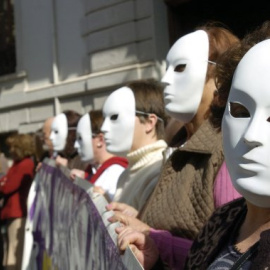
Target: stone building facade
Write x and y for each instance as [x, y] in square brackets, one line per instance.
[72, 54]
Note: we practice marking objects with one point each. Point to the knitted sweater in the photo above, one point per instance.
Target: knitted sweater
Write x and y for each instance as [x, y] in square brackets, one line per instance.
[137, 182]
[183, 199]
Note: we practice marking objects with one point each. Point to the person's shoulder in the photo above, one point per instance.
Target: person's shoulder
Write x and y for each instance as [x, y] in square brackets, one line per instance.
[115, 167]
[233, 207]
[116, 160]
[28, 161]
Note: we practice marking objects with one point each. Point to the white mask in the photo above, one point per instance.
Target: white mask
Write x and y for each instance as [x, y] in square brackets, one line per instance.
[83, 142]
[246, 127]
[59, 132]
[119, 121]
[187, 63]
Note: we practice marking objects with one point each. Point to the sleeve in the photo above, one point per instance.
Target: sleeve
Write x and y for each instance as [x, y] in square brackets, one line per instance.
[173, 250]
[17, 177]
[224, 190]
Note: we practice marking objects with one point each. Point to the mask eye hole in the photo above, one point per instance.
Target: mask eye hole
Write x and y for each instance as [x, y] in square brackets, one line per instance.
[180, 68]
[114, 117]
[268, 119]
[237, 110]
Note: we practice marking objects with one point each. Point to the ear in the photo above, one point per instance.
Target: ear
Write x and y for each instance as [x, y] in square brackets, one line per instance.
[151, 123]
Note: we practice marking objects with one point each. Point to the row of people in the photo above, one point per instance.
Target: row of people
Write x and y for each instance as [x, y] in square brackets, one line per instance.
[194, 180]
[165, 198]
[237, 234]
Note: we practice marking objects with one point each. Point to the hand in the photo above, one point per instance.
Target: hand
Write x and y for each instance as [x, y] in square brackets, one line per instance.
[38, 167]
[132, 222]
[99, 190]
[123, 208]
[78, 173]
[61, 161]
[143, 246]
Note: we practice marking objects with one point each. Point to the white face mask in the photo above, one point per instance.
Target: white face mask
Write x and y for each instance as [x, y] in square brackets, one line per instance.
[119, 121]
[246, 126]
[83, 143]
[59, 132]
[187, 63]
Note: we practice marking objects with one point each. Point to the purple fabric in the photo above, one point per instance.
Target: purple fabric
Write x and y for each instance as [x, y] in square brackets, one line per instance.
[67, 226]
[224, 190]
[173, 250]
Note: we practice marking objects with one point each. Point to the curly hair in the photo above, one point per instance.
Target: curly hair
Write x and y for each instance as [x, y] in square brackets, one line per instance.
[220, 39]
[21, 146]
[226, 67]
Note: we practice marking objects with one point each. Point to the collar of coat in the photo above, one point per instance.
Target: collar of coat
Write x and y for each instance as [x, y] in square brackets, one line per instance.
[204, 140]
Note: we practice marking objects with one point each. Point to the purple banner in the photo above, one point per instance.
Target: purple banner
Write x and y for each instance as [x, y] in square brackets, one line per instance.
[64, 228]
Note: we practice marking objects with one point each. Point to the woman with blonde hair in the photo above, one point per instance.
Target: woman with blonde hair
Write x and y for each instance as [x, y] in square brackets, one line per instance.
[14, 190]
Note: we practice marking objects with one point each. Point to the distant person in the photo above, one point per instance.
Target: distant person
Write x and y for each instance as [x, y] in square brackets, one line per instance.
[44, 145]
[14, 190]
[63, 136]
[46, 131]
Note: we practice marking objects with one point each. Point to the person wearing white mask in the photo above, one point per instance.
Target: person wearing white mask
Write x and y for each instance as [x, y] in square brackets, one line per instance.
[134, 127]
[63, 135]
[194, 181]
[59, 132]
[91, 147]
[237, 234]
[119, 121]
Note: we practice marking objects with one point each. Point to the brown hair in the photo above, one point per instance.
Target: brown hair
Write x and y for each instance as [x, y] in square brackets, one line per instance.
[96, 118]
[220, 39]
[226, 67]
[72, 120]
[149, 99]
[21, 146]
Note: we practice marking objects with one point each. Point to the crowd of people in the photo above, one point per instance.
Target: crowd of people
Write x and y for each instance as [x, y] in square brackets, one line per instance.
[195, 197]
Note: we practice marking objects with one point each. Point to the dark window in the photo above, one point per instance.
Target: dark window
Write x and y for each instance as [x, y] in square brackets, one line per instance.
[7, 39]
[240, 16]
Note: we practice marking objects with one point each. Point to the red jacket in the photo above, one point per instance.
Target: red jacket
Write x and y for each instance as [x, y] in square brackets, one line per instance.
[15, 188]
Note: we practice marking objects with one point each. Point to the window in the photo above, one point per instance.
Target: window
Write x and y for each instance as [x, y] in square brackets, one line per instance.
[185, 15]
[7, 39]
